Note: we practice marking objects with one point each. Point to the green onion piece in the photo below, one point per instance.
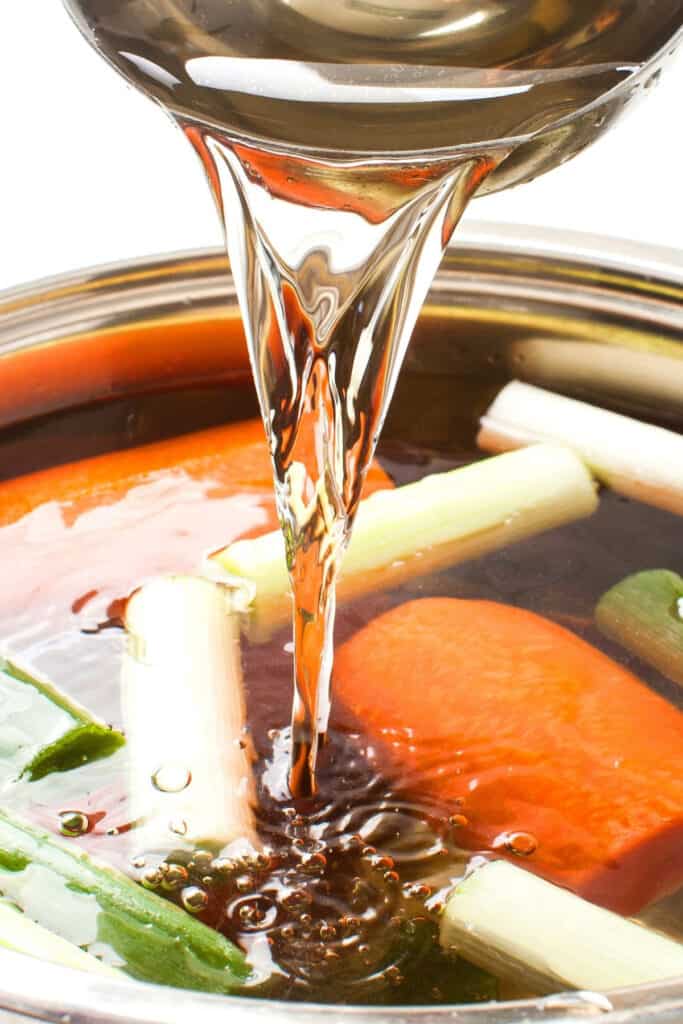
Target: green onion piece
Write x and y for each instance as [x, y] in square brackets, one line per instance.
[44, 731]
[100, 909]
[439, 521]
[22, 935]
[644, 613]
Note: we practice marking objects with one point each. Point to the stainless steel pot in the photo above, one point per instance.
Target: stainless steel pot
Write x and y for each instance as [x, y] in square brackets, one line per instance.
[596, 318]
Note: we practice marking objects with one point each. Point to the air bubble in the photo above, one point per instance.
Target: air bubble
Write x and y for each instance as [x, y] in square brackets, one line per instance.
[522, 844]
[73, 823]
[202, 861]
[380, 863]
[224, 866]
[417, 890]
[458, 821]
[194, 899]
[295, 899]
[314, 862]
[152, 880]
[172, 778]
[347, 923]
[174, 877]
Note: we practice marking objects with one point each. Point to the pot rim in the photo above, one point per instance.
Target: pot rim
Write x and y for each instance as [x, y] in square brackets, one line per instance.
[52, 993]
[651, 260]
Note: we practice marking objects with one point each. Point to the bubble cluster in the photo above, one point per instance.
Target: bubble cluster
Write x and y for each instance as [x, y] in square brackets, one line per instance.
[346, 890]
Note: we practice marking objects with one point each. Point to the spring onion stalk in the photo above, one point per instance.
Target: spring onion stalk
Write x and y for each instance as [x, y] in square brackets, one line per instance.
[644, 613]
[101, 911]
[439, 521]
[22, 935]
[511, 922]
[642, 378]
[44, 731]
[633, 458]
[191, 774]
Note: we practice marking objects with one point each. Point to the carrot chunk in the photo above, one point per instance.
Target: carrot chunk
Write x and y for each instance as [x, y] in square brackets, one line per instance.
[539, 743]
[76, 538]
[231, 459]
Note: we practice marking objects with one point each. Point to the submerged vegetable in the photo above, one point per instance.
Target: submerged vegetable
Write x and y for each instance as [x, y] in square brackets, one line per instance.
[232, 458]
[438, 521]
[42, 730]
[633, 458]
[97, 908]
[644, 613]
[543, 748]
[646, 378]
[22, 935]
[544, 938]
[183, 703]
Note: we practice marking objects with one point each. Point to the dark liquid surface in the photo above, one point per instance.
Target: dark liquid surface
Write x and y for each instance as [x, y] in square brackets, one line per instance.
[332, 257]
[347, 904]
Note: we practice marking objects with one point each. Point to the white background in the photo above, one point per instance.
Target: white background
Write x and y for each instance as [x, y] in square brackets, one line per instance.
[90, 171]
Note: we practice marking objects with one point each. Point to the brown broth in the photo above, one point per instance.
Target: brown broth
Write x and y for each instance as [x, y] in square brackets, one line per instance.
[347, 903]
[332, 253]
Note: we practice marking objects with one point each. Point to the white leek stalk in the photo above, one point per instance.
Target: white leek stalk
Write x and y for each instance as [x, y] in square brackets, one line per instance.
[191, 776]
[22, 935]
[633, 458]
[507, 920]
[439, 521]
[649, 379]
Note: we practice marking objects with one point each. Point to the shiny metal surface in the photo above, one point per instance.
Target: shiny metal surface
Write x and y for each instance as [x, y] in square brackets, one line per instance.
[520, 284]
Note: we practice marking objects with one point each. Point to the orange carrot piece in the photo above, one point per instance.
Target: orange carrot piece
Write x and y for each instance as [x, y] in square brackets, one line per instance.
[232, 459]
[75, 539]
[158, 353]
[535, 731]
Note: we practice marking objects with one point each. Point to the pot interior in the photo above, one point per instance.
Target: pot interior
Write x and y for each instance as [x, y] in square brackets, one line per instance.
[128, 357]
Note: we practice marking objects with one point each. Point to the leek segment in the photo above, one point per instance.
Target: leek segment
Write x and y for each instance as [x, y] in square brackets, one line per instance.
[22, 935]
[644, 613]
[183, 703]
[633, 458]
[507, 920]
[437, 522]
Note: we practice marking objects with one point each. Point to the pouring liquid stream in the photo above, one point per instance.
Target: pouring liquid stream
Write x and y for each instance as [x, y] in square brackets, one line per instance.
[379, 131]
[333, 264]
